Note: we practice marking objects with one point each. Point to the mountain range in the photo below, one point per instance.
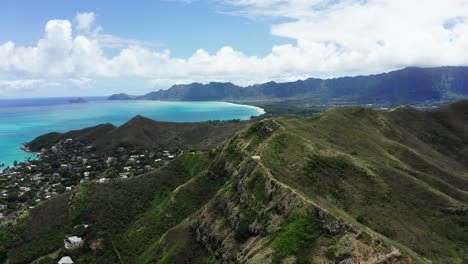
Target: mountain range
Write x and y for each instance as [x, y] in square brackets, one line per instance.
[349, 185]
[409, 85]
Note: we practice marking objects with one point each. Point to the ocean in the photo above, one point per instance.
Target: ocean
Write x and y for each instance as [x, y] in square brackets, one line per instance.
[22, 120]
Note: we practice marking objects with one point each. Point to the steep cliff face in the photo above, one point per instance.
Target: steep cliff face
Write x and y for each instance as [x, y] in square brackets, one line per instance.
[255, 218]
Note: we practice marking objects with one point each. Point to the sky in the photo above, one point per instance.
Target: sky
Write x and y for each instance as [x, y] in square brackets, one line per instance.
[53, 48]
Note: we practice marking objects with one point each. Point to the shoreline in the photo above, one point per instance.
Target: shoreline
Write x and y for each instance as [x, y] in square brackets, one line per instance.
[22, 154]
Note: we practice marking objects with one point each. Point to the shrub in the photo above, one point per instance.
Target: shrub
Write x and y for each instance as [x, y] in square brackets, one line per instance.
[331, 253]
[294, 234]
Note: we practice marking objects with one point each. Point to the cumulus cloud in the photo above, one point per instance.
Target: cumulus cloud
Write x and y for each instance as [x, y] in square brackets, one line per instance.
[82, 83]
[329, 38]
[85, 25]
[26, 85]
[354, 35]
[85, 21]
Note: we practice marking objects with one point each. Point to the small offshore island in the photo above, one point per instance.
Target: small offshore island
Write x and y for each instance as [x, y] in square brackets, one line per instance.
[78, 100]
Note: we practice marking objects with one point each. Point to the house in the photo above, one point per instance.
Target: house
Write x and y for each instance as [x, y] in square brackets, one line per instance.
[65, 260]
[121, 149]
[73, 242]
[54, 149]
[256, 157]
[103, 180]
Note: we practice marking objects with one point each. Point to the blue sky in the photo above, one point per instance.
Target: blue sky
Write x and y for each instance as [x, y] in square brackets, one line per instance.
[181, 26]
[60, 48]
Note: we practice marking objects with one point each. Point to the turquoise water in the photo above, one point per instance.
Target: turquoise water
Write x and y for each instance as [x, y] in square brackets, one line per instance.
[22, 120]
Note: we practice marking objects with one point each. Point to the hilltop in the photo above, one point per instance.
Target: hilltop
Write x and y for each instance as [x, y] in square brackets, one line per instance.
[409, 85]
[142, 132]
[350, 185]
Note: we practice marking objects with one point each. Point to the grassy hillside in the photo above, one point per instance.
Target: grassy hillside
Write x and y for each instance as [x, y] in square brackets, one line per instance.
[144, 132]
[404, 179]
[350, 184]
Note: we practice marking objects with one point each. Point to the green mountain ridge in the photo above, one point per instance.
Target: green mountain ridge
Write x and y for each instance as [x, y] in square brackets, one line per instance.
[351, 185]
[409, 85]
[144, 132]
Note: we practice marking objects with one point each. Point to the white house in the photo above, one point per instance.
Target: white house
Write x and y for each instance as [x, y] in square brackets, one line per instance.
[103, 180]
[256, 157]
[65, 260]
[73, 242]
[25, 189]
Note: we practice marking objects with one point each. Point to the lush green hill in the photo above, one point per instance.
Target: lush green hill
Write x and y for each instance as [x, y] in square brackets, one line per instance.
[143, 132]
[351, 184]
[409, 85]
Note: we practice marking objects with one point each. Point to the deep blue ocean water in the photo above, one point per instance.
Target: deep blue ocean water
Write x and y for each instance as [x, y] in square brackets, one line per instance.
[22, 120]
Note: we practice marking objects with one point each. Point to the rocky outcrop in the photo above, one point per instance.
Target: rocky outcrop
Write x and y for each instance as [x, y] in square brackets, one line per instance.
[239, 223]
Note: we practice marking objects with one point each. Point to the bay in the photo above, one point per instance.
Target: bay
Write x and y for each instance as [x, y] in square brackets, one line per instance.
[22, 120]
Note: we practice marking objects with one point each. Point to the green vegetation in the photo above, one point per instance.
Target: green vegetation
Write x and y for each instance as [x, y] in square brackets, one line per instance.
[141, 132]
[256, 185]
[331, 253]
[294, 234]
[346, 184]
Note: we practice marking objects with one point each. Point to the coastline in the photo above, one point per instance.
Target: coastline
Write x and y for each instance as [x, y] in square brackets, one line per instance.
[19, 152]
[260, 110]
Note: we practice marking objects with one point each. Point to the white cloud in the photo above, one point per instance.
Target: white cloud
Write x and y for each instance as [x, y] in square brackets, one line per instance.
[25, 85]
[82, 83]
[330, 38]
[85, 21]
[116, 42]
[355, 35]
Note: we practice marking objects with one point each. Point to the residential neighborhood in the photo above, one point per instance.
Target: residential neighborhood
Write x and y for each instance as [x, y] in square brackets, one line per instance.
[66, 164]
